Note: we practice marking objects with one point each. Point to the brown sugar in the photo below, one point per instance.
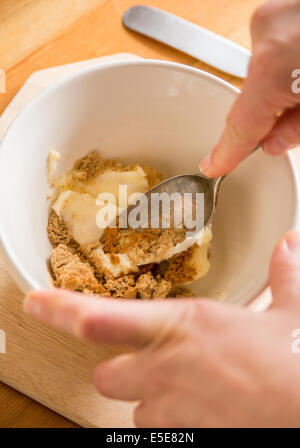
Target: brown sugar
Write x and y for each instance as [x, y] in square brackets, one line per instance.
[150, 287]
[143, 246]
[90, 252]
[77, 269]
[180, 270]
[122, 287]
[115, 259]
[87, 167]
[110, 240]
[154, 176]
[58, 232]
[70, 272]
[181, 292]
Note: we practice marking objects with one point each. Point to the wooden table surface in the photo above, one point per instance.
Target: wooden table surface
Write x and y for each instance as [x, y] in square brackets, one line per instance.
[36, 34]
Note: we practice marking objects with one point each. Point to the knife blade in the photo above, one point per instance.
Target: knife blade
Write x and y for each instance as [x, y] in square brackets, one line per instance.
[189, 38]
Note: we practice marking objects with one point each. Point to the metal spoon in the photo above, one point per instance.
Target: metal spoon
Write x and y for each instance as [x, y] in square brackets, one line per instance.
[185, 183]
[193, 183]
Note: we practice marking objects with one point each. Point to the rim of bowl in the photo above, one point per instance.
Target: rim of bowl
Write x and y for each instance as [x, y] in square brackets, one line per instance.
[11, 255]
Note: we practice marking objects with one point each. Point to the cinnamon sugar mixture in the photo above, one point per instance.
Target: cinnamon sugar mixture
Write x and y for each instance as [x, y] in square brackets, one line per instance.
[115, 262]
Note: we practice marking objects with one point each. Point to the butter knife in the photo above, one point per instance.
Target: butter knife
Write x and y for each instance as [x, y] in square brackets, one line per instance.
[189, 38]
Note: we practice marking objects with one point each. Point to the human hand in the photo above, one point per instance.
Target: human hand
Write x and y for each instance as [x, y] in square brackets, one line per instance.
[197, 363]
[267, 91]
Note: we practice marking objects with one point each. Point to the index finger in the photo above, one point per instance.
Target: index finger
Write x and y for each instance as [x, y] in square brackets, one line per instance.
[250, 119]
[102, 320]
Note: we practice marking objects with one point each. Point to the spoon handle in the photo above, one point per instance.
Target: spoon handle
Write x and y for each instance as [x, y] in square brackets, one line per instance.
[218, 180]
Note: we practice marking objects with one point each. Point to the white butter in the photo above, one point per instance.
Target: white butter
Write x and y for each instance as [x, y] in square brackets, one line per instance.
[79, 212]
[52, 162]
[109, 181]
[201, 238]
[123, 266]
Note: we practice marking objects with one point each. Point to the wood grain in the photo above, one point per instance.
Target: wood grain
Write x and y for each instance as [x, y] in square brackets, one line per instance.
[27, 24]
[18, 411]
[36, 34]
[100, 32]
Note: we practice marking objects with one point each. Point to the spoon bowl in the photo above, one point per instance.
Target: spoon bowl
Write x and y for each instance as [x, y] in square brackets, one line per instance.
[183, 184]
[193, 183]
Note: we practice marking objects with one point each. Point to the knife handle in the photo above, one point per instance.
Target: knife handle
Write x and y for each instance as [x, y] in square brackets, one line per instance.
[189, 38]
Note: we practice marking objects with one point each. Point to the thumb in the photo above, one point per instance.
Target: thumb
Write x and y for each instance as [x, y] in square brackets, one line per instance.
[106, 321]
[284, 272]
[285, 134]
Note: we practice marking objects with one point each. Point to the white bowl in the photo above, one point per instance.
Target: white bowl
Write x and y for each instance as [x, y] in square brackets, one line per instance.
[158, 113]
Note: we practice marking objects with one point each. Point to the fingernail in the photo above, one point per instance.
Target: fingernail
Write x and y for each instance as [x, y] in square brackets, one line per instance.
[292, 240]
[31, 305]
[204, 165]
[276, 145]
